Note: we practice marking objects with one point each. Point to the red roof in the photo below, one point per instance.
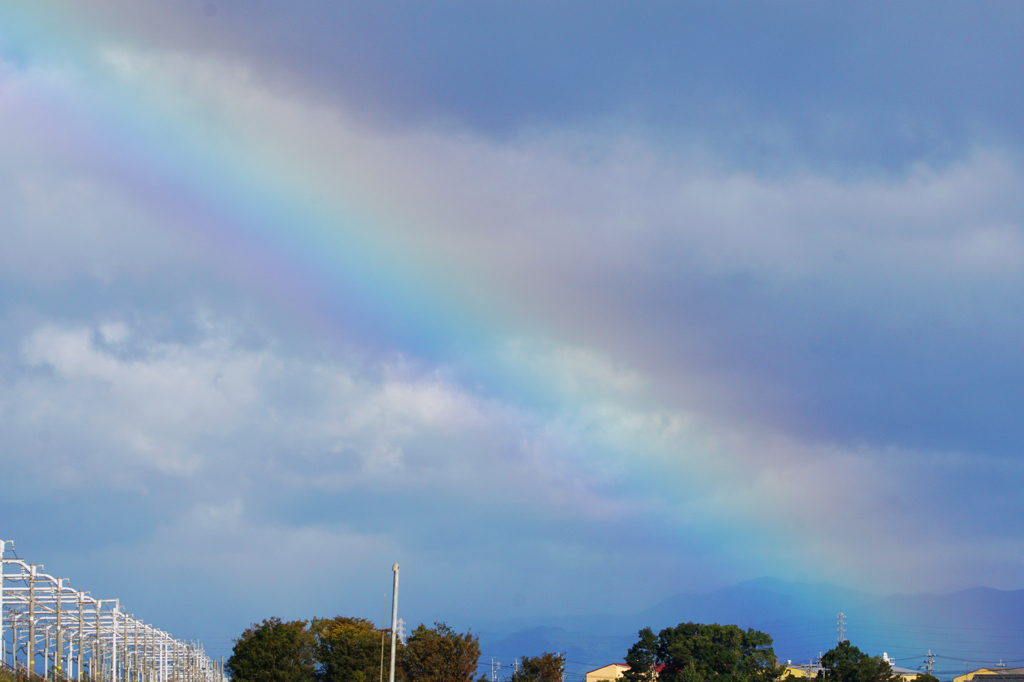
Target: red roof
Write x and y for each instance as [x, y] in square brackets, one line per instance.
[621, 665]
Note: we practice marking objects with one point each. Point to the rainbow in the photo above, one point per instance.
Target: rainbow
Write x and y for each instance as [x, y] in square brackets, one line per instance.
[298, 217]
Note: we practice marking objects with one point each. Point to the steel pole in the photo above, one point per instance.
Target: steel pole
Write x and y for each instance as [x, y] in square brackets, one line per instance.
[113, 643]
[3, 645]
[394, 624]
[30, 650]
[81, 640]
[58, 655]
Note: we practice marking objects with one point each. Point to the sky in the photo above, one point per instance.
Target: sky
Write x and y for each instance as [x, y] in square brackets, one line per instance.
[564, 307]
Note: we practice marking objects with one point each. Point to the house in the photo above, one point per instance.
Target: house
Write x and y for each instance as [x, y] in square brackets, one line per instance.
[791, 669]
[612, 671]
[993, 674]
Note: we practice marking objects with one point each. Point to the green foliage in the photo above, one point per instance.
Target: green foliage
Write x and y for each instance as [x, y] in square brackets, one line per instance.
[439, 654]
[544, 668]
[642, 658]
[349, 650]
[847, 663]
[274, 651]
[695, 652]
[926, 677]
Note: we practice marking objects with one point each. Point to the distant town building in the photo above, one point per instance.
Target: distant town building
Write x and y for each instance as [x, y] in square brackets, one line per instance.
[993, 674]
[811, 670]
[612, 671]
[800, 669]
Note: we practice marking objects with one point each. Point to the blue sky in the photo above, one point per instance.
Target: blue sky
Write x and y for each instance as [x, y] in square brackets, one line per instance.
[553, 303]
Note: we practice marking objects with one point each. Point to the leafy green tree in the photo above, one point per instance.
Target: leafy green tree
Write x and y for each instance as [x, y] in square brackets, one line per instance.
[439, 654]
[348, 650]
[847, 663]
[757, 657]
[695, 652]
[544, 668]
[642, 658]
[274, 651]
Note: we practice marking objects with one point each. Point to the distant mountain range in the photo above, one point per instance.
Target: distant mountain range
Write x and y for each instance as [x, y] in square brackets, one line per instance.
[964, 630]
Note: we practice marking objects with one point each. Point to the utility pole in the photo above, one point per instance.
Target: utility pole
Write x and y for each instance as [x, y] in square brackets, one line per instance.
[841, 627]
[930, 663]
[820, 668]
[394, 624]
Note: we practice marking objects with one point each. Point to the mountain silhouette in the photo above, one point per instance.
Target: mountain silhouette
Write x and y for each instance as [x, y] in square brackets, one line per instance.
[964, 630]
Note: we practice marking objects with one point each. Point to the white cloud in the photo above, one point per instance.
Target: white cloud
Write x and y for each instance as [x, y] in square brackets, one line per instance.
[155, 406]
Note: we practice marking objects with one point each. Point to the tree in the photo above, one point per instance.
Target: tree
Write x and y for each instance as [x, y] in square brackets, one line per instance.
[348, 650]
[695, 652]
[274, 651]
[847, 663]
[757, 657]
[439, 654]
[642, 658]
[544, 668]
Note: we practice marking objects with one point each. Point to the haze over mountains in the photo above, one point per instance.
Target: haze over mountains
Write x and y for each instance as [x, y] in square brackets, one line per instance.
[965, 630]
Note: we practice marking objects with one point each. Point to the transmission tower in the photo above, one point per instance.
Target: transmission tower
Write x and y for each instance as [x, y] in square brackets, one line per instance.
[841, 627]
[401, 631]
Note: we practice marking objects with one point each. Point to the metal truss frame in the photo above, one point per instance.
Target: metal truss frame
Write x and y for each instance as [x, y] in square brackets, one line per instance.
[49, 630]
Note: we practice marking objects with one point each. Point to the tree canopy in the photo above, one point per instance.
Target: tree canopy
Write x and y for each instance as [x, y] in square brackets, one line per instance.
[439, 654]
[274, 651]
[847, 663]
[642, 658]
[544, 668]
[696, 652]
[348, 650]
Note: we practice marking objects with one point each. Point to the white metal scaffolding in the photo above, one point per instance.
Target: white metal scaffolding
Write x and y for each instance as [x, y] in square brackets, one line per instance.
[49, 630]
